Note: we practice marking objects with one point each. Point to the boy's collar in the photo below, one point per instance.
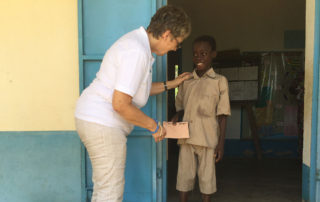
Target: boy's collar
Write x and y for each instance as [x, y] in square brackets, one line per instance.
[210, 73]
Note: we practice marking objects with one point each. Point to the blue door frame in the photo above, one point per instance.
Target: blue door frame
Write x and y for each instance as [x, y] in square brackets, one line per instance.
[314, 193]
[100, 24]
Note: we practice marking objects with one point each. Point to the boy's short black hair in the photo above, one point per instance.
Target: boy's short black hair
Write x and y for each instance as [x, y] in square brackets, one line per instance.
[206, 38]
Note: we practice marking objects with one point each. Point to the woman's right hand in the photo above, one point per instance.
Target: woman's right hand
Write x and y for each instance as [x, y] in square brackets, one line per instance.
[182, 77]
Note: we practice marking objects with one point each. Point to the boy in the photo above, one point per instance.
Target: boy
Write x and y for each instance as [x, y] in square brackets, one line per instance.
[203, 102]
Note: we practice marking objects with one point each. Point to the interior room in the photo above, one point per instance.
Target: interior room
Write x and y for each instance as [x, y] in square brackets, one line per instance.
[260, 49]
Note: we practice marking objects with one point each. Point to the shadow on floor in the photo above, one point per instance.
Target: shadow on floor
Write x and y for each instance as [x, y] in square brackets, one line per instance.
[247, 180]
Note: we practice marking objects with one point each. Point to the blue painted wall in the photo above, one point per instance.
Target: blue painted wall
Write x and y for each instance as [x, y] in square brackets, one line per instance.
[40, 167]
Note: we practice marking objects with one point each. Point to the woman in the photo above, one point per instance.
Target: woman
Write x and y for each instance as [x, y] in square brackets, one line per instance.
[109, 107]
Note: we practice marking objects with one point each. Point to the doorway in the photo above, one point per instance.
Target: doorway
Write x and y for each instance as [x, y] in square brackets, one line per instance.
[267, 30]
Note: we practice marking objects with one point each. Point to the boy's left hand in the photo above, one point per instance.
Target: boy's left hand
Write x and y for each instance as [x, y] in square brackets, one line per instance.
[218, 152]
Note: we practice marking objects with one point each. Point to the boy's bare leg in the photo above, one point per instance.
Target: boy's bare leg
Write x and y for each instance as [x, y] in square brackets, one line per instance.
[206, 198]
[183, 196]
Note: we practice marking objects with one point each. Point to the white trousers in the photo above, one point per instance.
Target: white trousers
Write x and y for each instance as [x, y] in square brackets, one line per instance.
[107, 148]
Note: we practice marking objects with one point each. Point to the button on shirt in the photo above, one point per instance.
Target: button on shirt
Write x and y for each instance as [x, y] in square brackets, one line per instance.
[203, 99]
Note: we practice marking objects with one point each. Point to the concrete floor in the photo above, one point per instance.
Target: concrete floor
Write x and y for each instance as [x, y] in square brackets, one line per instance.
[248, 180]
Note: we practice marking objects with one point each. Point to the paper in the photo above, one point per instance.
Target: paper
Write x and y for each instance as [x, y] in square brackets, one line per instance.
[248, 73]
[177, 131]
[251, 90]
[243, 90]
[232, 74]
[236, 90]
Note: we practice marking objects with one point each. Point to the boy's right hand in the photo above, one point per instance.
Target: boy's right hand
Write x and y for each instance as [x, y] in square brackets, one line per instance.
[175, 119]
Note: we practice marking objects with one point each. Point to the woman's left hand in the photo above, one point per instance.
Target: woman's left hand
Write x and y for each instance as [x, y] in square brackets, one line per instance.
[160, 135]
